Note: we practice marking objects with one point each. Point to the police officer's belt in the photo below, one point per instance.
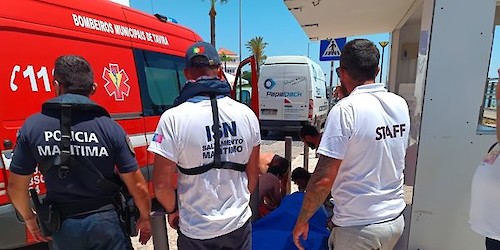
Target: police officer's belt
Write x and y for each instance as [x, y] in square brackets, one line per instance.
[217, 149]
[84, 208]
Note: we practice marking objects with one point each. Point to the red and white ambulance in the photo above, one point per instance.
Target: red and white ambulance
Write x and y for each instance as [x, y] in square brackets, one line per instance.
[138, 62]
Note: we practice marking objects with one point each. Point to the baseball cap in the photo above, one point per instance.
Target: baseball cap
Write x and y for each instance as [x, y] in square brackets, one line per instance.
[202, 54]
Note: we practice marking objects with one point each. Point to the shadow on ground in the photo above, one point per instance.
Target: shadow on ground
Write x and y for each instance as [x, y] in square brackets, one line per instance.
[279, 135]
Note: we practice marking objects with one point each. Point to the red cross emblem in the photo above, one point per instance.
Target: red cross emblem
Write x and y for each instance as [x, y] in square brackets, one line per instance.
[116, 82]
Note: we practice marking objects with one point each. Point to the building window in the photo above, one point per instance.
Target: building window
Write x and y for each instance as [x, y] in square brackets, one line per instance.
[488, 110]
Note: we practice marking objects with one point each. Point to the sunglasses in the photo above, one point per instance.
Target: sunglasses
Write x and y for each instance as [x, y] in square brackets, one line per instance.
[338, 71]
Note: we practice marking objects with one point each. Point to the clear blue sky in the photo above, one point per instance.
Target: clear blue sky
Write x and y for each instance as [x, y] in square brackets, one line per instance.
[267, 18]
[495, 54]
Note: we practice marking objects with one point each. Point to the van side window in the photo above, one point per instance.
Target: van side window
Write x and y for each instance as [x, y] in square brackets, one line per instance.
[320, 82]
[160, 78]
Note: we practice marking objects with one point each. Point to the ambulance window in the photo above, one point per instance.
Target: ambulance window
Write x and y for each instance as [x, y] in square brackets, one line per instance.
[161, 77]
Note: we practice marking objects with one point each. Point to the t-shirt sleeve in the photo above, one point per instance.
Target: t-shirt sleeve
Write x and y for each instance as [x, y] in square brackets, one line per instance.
[255, 129]
[163, 142]
[23, 160]
[125, 155]
[337, 132]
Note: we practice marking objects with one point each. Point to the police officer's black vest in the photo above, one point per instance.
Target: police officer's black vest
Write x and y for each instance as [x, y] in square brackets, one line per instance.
[211, 87]
[67, 104]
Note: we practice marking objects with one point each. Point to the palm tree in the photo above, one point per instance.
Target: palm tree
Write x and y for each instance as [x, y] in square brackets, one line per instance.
[256, 46]
[212, 13]
[224, 58]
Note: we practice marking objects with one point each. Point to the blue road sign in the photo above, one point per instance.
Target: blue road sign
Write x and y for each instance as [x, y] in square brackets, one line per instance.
[329, 50]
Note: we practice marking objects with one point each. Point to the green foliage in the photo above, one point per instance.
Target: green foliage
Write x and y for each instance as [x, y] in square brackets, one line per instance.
[257, 46]
[213, 2]
[224, 57]
[247, 75]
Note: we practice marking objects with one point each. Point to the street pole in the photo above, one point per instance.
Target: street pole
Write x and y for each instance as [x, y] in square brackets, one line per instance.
[239, 54]
[240, 27]
[330, 96]
[383, 44]
[288, 156]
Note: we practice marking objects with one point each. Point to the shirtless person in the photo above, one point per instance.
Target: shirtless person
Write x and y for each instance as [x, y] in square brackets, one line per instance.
[272, 181]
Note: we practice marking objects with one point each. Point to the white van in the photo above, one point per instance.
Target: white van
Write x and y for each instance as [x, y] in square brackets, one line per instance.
[292, 93]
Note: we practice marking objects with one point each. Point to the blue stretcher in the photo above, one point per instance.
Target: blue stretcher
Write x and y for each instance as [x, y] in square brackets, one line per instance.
[274, 231]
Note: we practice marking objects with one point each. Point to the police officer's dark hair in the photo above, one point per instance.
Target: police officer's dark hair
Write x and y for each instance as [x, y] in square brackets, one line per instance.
[74, 74]
[360, 58]
[278, 166]
[308, 130]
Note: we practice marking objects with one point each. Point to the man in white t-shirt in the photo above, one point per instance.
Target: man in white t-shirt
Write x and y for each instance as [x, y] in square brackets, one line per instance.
[216, 171]
[362, 156]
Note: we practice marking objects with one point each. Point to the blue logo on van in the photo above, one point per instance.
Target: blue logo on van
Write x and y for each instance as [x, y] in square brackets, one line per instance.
[269, 83]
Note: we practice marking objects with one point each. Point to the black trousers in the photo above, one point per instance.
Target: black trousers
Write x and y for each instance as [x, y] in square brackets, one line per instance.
[241, 238]
[492, 244]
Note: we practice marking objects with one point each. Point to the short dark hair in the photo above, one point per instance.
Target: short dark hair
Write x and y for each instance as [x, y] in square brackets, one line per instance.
[300, 173]
[308, 130]
[210, 71]
[74, 74]
[360, 59]
[278, 166]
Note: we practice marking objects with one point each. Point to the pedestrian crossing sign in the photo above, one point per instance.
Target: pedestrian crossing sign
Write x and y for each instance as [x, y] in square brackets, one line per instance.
[330, 50]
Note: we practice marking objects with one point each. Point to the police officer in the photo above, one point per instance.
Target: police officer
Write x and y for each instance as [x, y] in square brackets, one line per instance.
[362, 157]
[213, 141]
[80, 190]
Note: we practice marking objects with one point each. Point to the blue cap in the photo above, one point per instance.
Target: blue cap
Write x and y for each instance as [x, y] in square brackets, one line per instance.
[202, 54]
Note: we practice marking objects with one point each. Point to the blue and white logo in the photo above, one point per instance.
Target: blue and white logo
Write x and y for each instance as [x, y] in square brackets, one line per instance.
[269, 83]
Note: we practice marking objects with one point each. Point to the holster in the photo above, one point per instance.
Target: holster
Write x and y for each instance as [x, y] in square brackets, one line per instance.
[129, 214]
[47, 215]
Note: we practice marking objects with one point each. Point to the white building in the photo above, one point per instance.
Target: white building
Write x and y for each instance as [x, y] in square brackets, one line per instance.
[230, 60]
